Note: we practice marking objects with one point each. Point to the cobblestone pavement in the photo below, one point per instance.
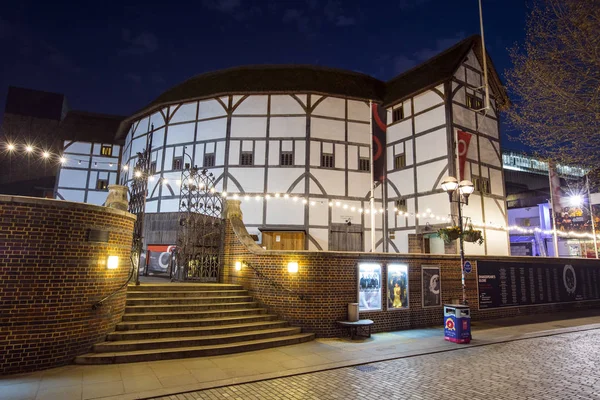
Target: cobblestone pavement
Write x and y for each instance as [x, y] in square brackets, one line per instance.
[564, 366]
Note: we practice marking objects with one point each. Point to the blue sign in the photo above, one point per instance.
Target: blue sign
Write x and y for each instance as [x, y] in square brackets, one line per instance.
[467, 267]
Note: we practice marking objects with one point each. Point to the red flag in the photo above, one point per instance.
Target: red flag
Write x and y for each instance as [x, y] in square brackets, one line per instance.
[379, 128]
[464, 139]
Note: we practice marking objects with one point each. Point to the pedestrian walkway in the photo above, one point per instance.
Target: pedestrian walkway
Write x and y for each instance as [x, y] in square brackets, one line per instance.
[163, 378]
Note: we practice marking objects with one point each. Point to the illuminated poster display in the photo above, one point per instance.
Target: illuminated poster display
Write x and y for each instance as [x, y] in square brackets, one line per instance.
[397, 286]
[432, 285]
[369, 287]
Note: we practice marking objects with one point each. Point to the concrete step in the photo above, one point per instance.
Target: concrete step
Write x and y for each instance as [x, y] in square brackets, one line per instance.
[145, 334]
[193, 341]
[168, 308]
[193, 322]
[183, 293]
[192, 314]
[186, 300]
[148, 287]
[197, 351]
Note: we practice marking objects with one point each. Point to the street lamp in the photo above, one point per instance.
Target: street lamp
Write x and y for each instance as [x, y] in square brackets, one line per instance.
[459, 192]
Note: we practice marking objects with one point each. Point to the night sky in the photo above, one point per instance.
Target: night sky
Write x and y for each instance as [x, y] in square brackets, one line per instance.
[116, 58]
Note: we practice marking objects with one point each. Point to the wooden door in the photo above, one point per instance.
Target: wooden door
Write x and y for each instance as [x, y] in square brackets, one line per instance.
[344, 237]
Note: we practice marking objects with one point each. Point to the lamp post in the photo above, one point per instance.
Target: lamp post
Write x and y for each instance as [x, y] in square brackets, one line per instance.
[458, 192]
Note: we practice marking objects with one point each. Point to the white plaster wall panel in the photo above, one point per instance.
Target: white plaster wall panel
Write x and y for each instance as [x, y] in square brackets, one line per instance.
[334, 182]
[440, 88]
[178, 151]
[364, 152]
[156, 157]
[407, 106]
[431, 145]
[390, 158]
[403, 180]
[151, 206]
[287, 127]
[340, 215]
[327, 129]
[473, 210]
[72, 178]
[187, 112]
[340, 156]
[494, 212]
[168, 161]
[401, 241]
[212, 129]
[158, 138]
[358, 111]
[315, 153]
[352, 157]
[359, 186]
[408, 147]
[218, 174]
[488, 126]
[473, 78]
[234, 152]
[181, 133]
[427, 100]
[491, 111]
[77, 148]
[496, 182]
[328, 147]
[438, 204]
[460, 96]
[210, 147]
[358, 133]
[463, 116]
[246, 145]
[142, 127]
[287, 145]
[497, 243]
[430, 119]
[401, 130]
[96, 148]
[302, 98]
[252, 211]
[427, 175]
[313, 188]
[252, 179]
[472, 61]
[97, 198]
[300, 153]
[436, 245]
[102, 175]
[299, 188]
[473, 150]
[169, 205]
[484, 172]
[157, 120]
[248, 127]
[460, 73]
[331, 107]
[252, 105]
[72, 195]
[473, 249]
[283, 212]
[321, 236]
[489, 152]
[235, 99]
[260, 149]
[153, 187]
[104, 163]
[274, 152]
[211, 109]
[285, 104]
[319, 214]
[76, 161]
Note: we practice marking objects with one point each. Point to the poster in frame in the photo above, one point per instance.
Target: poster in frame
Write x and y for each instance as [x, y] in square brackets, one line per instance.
[397, 287]
[431, 286]
[369, 287]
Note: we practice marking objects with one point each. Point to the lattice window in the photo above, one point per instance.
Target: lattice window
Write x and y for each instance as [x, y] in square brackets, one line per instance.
[209, 160]
[106, 150]
[474, 102]
[327, 160]
[398, 114]
[399, 161]
[102, 184]
[152, 170]
[401, 205]
[287, 158]
[364, 164]
[177, 163]
[247, 158]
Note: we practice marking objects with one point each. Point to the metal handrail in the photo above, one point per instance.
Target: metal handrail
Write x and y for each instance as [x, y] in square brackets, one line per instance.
[98, 304]
[273, 283]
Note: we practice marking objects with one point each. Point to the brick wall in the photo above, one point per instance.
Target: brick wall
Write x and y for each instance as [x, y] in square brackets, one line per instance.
[50, 275]
[318, 295]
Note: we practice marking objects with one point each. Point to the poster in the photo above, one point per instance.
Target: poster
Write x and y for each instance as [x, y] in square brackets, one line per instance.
[397, 286]
[432, 285]
[369, 287]
[507, 284]
[159, 258]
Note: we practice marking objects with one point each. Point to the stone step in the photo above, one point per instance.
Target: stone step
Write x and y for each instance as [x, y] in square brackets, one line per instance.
[192, 322]
[192, 341]
[186, 300]
[192, 314]
[183, 293]
[183, 286]
[144, 334]
[197, 351]
[168, 308]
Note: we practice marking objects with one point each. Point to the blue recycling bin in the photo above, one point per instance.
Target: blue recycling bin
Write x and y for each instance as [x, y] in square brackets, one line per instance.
[457, 323]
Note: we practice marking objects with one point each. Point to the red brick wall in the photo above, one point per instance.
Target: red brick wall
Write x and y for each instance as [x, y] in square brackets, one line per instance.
[327, 282]
[50, 275]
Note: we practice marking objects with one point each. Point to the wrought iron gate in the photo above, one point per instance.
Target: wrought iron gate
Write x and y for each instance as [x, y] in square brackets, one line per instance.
[199, 251]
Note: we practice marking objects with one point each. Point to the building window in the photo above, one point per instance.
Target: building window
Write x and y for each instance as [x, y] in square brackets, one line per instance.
[152, 168]
[287, 158]
[327, 160]
[209, 160]
[102, 184]
[364, 164]
[106, 150]
[481, 185]
[177, 163]
[474, 102]
[398, 114]
[401, 205]
[247, 158]
[399, 161]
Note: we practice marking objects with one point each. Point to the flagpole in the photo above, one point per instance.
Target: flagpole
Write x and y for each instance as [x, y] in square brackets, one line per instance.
[372, 199]
[552, 213]
[587, 183]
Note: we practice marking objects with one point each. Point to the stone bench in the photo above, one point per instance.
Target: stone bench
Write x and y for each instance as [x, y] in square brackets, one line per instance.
[360, 328]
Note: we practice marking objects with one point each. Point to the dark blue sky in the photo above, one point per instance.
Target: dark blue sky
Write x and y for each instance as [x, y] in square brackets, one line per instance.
[115, 58]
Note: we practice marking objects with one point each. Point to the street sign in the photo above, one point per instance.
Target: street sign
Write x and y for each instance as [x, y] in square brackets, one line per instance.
[467, 267]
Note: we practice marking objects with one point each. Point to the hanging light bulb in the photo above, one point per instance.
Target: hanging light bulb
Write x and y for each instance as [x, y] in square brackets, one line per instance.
[331, 204]
[95, 164]
[125, 167]
[246, 197]
[286, 196]
[28, 148]
[10, 147]
[277, 195]
[224, 194]
[45, 154]
[63, 160]
[312, 203]
[78, 162]
[110, 164]
[236, 196]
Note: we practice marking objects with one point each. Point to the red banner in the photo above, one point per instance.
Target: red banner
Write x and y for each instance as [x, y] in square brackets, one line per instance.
[464, 139]
[379, 127]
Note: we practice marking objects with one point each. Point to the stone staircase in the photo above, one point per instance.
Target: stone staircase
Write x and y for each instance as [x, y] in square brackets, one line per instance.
[168, 321]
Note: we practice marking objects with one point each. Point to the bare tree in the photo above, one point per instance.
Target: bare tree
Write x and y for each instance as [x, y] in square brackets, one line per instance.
[555, 82]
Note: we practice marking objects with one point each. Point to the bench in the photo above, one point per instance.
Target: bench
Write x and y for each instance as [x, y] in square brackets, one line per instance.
[361, 328]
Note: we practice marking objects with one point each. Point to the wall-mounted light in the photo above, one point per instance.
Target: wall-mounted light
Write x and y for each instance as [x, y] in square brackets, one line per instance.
[292, 267]
[238, 265]
[112, 262]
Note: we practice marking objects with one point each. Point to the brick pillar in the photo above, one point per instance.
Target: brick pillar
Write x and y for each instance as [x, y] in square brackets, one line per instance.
[415, 243]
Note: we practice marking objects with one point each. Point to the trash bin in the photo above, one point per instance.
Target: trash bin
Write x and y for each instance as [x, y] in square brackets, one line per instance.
[352, 312]
[457, 323]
